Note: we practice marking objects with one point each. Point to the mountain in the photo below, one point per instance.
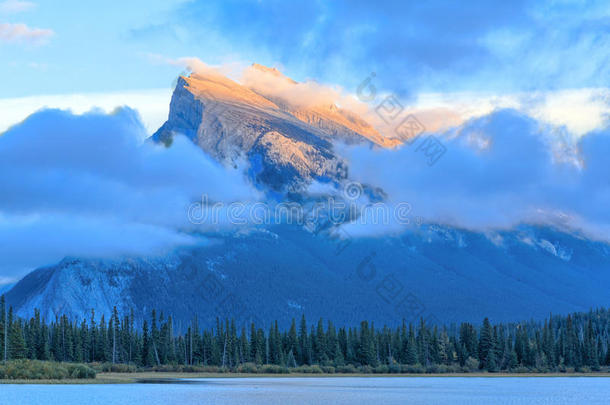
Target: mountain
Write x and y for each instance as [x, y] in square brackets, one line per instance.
[5, 287]
[286, 145]
[439, 273]
[280, 272]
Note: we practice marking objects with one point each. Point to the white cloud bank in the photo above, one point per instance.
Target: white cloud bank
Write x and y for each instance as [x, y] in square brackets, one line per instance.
[499, 170]
[579, 111]
[87, 185]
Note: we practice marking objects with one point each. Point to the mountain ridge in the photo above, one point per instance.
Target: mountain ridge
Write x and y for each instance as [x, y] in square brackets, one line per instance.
[284, 272]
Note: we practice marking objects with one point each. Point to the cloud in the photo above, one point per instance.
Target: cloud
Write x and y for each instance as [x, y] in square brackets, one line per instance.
[434, 46]
[572, 112]
[87, 185]
[578, 111]
[272, 83]
[559, 117]
[499, 170]
[511, 159]
[264, 80]
[15, 6]
[21, 33]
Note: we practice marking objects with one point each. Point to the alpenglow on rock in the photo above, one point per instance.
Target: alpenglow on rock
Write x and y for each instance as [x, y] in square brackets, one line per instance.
[286, 144]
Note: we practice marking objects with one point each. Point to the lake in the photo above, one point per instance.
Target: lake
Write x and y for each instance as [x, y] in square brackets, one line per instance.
[328, 390]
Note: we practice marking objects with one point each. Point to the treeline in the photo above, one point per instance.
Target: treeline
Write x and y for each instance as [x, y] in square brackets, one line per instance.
[577, 342]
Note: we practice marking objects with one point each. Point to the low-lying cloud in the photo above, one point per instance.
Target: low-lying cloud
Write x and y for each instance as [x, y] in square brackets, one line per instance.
[87, 185]
[521, 158]
[499, 170]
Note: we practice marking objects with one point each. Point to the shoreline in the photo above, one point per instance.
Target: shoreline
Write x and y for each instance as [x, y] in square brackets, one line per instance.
[182, 378]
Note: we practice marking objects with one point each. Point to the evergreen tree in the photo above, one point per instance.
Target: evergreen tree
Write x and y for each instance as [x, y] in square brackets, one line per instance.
[320, 343]
[304, 355]
[16, 346]
[579, 341]
[411, 347]
[292, 344]
[3, 330]
[486, 345]
[147, 350]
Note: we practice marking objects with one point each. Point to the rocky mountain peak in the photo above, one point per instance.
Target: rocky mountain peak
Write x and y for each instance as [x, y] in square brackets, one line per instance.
[287, 144]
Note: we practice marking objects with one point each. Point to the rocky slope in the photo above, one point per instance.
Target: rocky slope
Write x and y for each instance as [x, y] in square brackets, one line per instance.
[438, 273]
[286, 145]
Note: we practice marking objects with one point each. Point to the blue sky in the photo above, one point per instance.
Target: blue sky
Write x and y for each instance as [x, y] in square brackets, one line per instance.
[412, 46]
[90, 50]
[518, 89]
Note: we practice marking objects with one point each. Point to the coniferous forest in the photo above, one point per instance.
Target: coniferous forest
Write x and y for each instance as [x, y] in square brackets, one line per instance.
[578, 342]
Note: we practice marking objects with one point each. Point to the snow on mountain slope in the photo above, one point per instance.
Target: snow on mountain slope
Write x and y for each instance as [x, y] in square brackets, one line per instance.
[439, 273]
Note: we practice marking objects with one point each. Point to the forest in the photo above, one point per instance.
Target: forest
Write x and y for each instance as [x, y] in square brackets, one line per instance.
[578, 342]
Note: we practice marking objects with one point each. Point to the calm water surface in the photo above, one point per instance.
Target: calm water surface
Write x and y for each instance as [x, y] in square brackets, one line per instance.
[394, 390]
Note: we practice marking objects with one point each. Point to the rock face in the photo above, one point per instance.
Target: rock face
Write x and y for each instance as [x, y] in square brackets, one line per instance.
[439, 273]
[286, 145]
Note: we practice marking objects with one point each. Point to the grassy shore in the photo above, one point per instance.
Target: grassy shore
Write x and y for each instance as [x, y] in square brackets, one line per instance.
[171, 377]
[48, 372]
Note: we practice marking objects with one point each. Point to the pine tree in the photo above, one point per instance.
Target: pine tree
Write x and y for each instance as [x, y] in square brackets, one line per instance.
[16, 346]
[423, 344]
[244, 349]
[320, 343]
[255, 355]
[303, 356]
[486, 345]
[331, 341]
[411, 347]
[366, 347]
[3, 330]
[468, 340]
[339, 358]
[292, 344]
[578, 340]
[147, 350]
